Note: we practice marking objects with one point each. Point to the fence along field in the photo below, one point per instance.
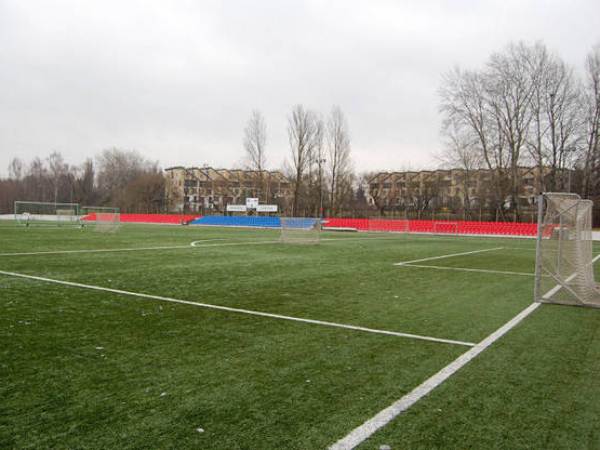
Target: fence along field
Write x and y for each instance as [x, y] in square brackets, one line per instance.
[266, 345]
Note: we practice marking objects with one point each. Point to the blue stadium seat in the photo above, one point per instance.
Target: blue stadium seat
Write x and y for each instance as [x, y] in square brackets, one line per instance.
[239, 221]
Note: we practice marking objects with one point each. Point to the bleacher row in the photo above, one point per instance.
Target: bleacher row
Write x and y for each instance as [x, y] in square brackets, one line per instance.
[435, 226]
[414, 226]
[238, 221]
[173, 219]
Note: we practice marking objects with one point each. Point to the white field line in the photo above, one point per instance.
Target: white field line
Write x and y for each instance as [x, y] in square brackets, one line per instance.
[135, 249]
[193, 244]
[237, 310]
[103, 250]
[174, 247]
[467, 269]
[431, 258]
[364, 431]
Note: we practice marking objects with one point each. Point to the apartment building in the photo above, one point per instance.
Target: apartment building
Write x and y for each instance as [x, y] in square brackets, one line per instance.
[206, 189]
[452, 188]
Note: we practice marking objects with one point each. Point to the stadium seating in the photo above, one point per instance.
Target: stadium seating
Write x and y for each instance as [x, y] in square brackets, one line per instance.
[414, 226]
[427, 226]
[157, 218]
[238, 221]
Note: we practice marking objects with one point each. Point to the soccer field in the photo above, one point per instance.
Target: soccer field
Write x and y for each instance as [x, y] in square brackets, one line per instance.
[213, 338]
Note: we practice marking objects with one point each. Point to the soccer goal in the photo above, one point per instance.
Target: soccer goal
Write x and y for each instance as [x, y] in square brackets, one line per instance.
[103, 218]
[564, 260]
[46, 213]
[445, 227]
[300, 230]
[377, 224]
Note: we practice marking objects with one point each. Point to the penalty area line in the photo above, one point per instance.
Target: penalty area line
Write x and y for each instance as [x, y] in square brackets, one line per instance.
[237, 310]
[364, 431]
[468, 269]
[431, 258]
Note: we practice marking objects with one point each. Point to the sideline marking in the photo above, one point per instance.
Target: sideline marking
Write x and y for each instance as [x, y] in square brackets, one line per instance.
[382, 418]
[467, 269]
[431, 258]
[174, 247]
[238, 310]
[95, 250]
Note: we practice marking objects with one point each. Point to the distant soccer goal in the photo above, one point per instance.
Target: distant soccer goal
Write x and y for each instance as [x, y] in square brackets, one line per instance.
[445, 227]
[46, 213]
[564, 259]
[103, 218]
[300, 230]
[390, 225]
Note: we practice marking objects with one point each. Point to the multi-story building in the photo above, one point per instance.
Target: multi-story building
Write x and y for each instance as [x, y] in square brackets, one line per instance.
[204, 189]
[453, 189]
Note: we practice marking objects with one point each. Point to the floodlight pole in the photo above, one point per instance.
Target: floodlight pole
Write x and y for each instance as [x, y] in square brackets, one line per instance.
[538, 248]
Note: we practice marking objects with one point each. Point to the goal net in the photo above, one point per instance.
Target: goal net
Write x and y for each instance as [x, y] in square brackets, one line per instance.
[103, 218]
[445, 227]
[377, 224]
[300, 230]
[564, 260]
[46, 213]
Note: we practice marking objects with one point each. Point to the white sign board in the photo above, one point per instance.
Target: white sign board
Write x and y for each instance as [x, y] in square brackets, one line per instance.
[236, 208]
[251, 203]
[266, 208]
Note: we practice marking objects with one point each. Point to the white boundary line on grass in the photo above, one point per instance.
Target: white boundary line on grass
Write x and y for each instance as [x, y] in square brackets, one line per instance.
[134, 249]
[431, 258]
[94, 250]
[467, 269]
[364, 431]
[174, 247]
[237, 310]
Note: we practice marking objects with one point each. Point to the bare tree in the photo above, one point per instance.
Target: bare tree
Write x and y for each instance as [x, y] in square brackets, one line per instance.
[554, 135]
[58, 170]
[338, 147]
[466, 107]
[319, 161]
[15, 169]
[255, 141]
[302, 131]
[461, 151]
[116, 170]
[510, 89]
[591, 153]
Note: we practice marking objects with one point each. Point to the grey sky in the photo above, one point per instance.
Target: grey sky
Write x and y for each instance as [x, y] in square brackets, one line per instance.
[177, 79]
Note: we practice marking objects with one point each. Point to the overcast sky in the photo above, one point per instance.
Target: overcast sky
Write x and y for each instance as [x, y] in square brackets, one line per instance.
[177, 80]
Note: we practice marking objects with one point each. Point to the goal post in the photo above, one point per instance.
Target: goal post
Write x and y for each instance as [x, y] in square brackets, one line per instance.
[300, 230]
[445, 227]
[564, 270]
[29, 213]
[103, 218]
[389, 225]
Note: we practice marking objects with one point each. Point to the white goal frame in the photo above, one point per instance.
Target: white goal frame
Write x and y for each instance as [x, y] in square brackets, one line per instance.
[564, 270]
[28, 213]
[106, 219]
[300, 230]
[444, 227]
[387, 225]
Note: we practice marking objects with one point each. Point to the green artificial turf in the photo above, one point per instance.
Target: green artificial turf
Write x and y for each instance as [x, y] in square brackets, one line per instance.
[90, 369]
